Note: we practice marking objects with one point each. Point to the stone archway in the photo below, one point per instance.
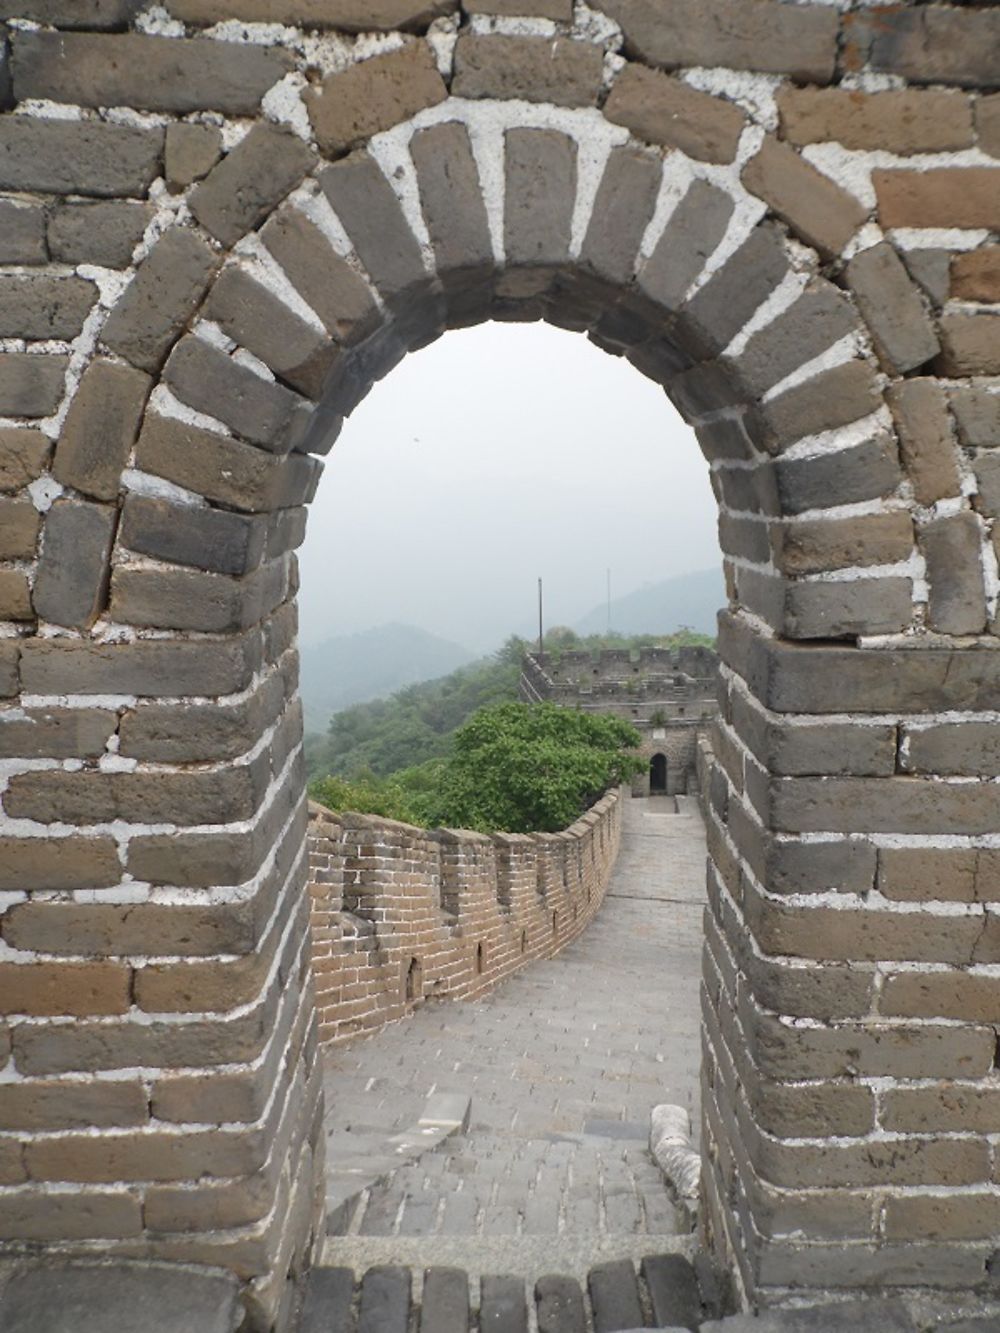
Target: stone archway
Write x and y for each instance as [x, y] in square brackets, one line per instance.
[161, 1098]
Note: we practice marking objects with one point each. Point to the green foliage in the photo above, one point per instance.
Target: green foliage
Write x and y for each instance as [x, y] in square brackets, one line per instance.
[365, 795]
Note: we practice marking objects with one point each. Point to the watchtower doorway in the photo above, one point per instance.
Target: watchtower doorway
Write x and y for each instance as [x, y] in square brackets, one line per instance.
[658, 775]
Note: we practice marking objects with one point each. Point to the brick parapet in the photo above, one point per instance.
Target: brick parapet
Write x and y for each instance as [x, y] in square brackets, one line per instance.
[401, 915]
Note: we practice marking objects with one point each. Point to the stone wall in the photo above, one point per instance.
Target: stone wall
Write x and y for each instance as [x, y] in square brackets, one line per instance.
[401, 914]
[222, 222]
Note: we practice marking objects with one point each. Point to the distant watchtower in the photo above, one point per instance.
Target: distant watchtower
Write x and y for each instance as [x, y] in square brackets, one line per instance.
[668, 694]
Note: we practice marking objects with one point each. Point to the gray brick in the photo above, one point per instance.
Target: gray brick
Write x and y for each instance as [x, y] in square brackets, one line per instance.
[977, 415]
[96, 14]
[930, 268]
[843, 610]
[57, 733]
[19, 526]
[385, 1301]
[100, 428]
[149, 669]
[240, 192]
[160, 299]
[194, 599]
[347, 15]
[952, 547]
[10, 652]
[210, 539]
[541, 175]
[559, 1303]
[893, 310]
[535, 69]
[72, 579]
[815, 207]
[452, 201]
[151, 73]
[99, 233]
[919, 407]
[44, 307]
[22, 233]
[935, 44]
[445, 1301]
[210, 381]
[692, 233]
[338, 294]
[30, 386]
[77, 157]
[191, 152]
[294, 350]
[24, 454]
[673, 1290]
[821, 316]
[623, 209]
[719, 309]
[561, 11]
[833, 398]
[614, 1295]
[503, 1307]
[666, 111]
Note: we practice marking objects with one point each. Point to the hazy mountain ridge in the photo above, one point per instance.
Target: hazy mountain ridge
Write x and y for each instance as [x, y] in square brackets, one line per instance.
[661, 608]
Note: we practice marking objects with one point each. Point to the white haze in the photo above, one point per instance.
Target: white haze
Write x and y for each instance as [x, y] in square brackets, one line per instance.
[497, 455]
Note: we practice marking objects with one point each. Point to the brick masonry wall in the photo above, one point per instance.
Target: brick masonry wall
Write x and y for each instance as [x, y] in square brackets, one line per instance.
[401, 915]
[221, 222]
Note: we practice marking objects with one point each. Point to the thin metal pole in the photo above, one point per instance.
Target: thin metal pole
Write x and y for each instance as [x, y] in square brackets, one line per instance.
[609, 601]
[541, 637]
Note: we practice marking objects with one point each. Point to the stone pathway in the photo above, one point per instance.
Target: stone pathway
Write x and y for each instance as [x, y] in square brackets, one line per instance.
[563, 1064]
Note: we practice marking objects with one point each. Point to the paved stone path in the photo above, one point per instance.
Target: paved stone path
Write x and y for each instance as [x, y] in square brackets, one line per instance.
[563, 1064]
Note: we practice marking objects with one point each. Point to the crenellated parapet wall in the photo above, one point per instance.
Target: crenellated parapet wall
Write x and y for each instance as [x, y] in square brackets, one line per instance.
[402, 914]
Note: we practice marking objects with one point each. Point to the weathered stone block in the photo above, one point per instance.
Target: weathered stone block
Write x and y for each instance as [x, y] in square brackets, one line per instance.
[823, 214]
[762, 36]
[720, 308]
[892, 307]
[337, 293]
[347, 15]
[19, 525]
[451, 198]
[56, 733]
[148, 668]
[987, 473]
[988, 124]
[166, 733]
[541, 174]
[975, 275]
[920, 410]
[945, 1217]
[58, 863]
[929, 267]
[211, 539]
[820, 317]
[944, 1107]
[941, 995]
[843, 610]
[77, 156]
[901, 121]
[46, 989]
[194, 600]
[534, 69]
[245, 186]
[939, 197]
[97, 14]
[882, 805]
[977, 415]
[22, 233]
[931, 44]
[952, 548]
[31, 386]
[297, 352]
[210, 381]
[58, 1105]
[814, 545]
[622, 210]
[15, 596]
[160, 299]
[101, 428]
[373, 95]
[692, 233]
[10, 655]
[970, 345]
[151, 73]
[830, 399]
[97, 233]
[191, 152]
[72, 579]
[44, 307]
[666, 111]
[921, 874]
[560, 11]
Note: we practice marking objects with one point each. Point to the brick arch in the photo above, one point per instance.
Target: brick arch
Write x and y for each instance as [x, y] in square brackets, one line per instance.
[155, 859]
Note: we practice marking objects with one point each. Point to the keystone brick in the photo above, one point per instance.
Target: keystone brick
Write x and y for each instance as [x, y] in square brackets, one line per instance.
[72, 579]
[77, 157]
[30, 386]
[692, 233]
[622, 211]
[946, 1106]
[160, 299]
[719, 309]
[977, 415]
[535, 69]
[44, 307]
[97, 233]
[211, 539]
[666, 111]
[23, 457]
[892, 307]
[952, 547]
[975, 275]
[210, 381]
[242, 190]
[366, 204]
[22, 233]
[58, 1105]
[101, 428]
[146, 668]
[833, 398]
[188, 599]
[940, 197]
[225, 470]
[941, 995]
[452, 201]
[932, 44]
[347, 15]
[373, 95]
[296, 351]
[19, 525]
[42, 989]
[863, 472]
[815, 545]
[903, 122]
[970, 344]
[56, 733]
[58, 863]
[821, 316]
[338, 294]
[191, 153]
[152, 73]
[763, 36]
[15, 596]
[919, 407]
[541, 174]
[97, 14]
[816, 209]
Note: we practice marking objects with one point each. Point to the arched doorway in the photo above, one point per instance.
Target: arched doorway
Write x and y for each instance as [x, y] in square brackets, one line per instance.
[658, 775]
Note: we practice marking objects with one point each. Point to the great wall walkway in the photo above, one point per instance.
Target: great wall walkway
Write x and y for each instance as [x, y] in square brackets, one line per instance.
[563, 1064]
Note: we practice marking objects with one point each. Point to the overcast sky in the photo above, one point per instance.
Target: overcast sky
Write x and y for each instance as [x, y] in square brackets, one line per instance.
[496, 455]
